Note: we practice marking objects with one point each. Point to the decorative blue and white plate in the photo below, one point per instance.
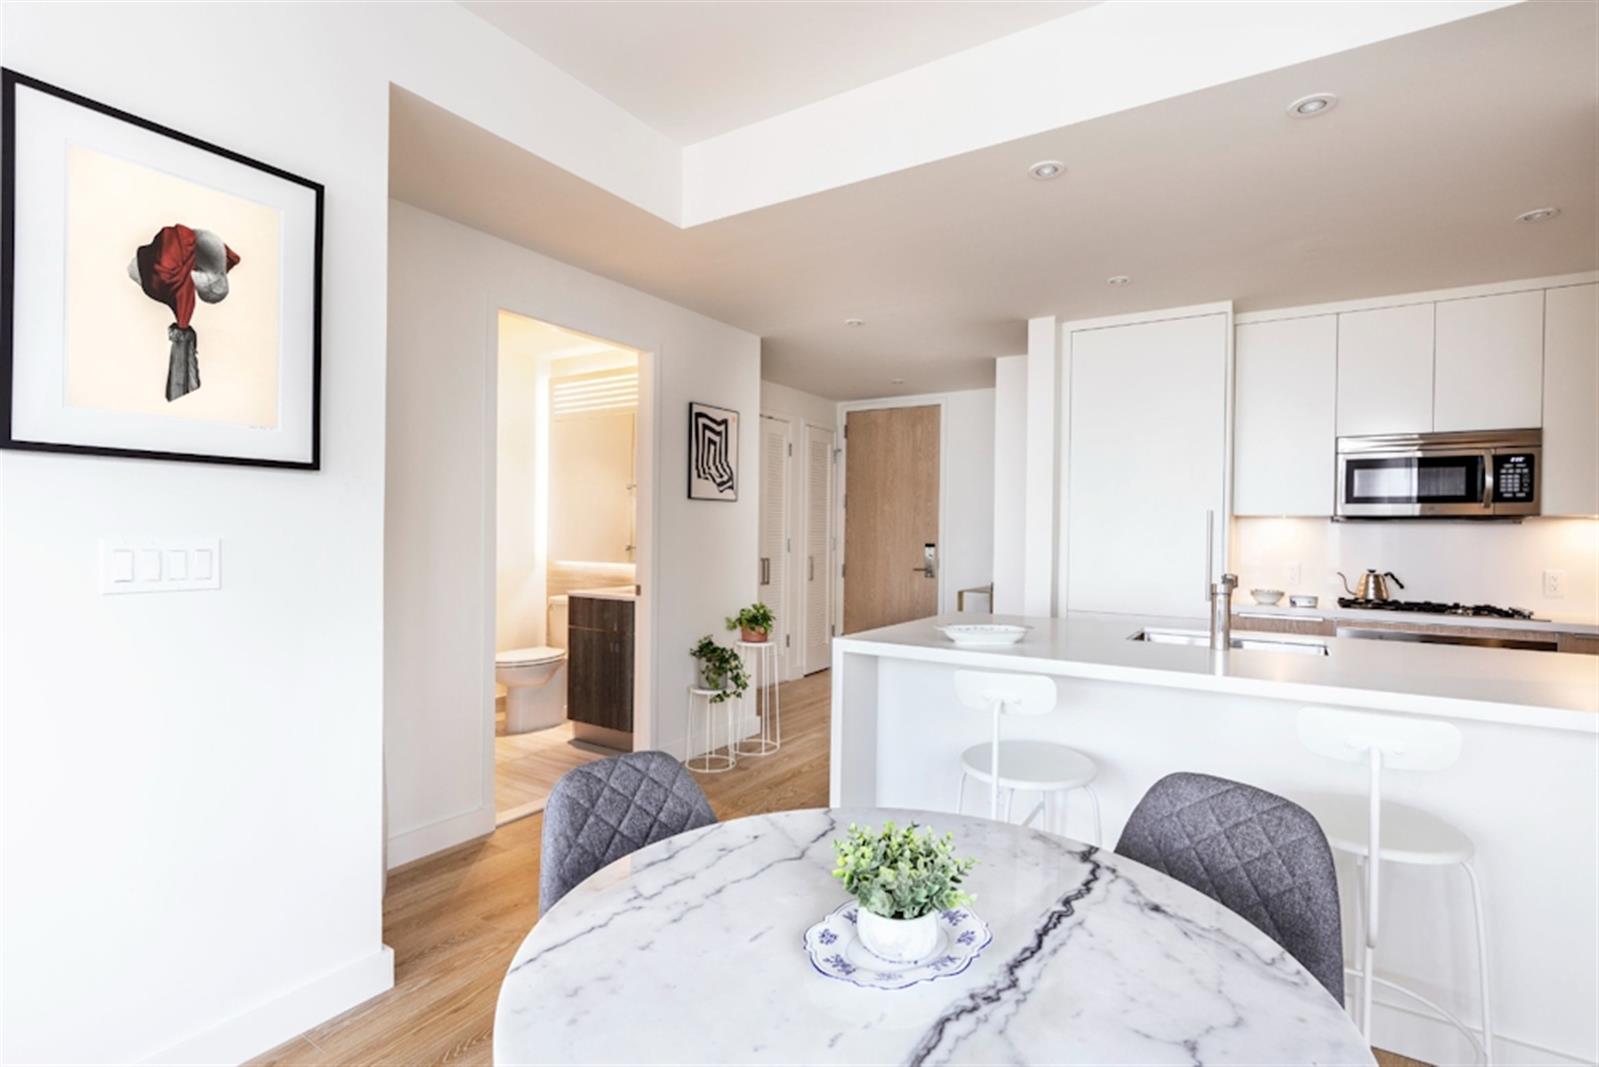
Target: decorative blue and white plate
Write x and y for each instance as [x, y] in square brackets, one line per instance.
[836, 950]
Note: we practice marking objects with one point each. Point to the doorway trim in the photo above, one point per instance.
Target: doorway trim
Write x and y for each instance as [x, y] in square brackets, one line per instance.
[840, 488]
[646, 511]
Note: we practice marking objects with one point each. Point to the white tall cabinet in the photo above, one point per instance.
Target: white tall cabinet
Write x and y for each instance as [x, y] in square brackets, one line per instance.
[1571, 401]
[1286, 391]
[1145, 442]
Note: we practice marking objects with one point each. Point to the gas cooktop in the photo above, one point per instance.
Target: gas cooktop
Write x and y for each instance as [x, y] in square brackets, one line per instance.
[1434, 607]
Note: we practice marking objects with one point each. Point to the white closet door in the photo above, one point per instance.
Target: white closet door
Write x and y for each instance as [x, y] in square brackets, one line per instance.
[1147, 439]
[772, 574]
[818, 561]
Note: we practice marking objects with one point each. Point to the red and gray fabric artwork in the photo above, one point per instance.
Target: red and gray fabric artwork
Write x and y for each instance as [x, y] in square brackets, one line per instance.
[179, 265]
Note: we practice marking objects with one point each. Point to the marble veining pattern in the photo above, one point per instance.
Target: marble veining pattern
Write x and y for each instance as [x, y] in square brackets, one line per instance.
[690, 952]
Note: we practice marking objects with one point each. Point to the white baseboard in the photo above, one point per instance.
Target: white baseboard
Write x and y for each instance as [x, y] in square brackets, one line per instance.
[435, 837]
[268, 1025]
[1422, 1036]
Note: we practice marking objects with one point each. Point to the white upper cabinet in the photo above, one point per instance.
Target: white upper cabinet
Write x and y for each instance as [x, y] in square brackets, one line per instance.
[1285, 388]
[1489, 372]
[1385, 370]
[1571, 402]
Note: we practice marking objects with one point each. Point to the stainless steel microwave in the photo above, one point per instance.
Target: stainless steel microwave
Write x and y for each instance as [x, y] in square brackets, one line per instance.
[1440, 475]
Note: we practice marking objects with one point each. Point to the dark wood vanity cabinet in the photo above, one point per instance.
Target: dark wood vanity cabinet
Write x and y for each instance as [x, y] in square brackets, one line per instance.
[600, 669]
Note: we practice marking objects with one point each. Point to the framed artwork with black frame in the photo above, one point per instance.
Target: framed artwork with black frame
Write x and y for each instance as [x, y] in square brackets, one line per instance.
[162, 295]
[712, 453]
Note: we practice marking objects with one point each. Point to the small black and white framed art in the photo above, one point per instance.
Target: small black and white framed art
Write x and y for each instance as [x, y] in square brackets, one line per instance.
[712, 453]
[162, 296]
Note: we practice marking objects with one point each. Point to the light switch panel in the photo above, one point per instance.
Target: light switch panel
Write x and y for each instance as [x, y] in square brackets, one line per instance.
[165, 565]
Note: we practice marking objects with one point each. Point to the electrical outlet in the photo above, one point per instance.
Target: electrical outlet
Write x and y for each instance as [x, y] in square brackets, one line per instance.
[1295, 574]
[1554, 584]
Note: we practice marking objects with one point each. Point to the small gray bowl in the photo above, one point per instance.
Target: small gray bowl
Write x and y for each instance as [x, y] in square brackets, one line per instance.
[1304, 600]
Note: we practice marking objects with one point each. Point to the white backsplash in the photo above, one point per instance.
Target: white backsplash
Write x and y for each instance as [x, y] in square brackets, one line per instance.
[1493, 563]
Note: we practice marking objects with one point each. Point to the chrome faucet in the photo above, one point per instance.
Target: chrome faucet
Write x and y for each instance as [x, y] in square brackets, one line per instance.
[1221, 612]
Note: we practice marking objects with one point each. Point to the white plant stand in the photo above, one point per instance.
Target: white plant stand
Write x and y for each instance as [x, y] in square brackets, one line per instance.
[707, 762]
[761, 663]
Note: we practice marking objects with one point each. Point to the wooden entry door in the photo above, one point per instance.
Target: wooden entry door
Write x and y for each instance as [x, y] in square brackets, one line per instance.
[890, 516]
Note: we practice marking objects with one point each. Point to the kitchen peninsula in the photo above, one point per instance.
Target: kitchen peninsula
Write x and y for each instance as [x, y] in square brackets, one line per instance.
[1143, 709]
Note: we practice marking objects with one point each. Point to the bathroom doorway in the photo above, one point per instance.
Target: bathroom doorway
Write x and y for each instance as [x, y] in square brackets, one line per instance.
[566, 556]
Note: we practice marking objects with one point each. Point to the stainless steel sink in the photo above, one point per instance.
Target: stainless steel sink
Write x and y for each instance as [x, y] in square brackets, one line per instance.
[1201, 639]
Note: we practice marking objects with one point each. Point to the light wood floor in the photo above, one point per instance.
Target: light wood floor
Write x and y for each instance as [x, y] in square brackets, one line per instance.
[526, 767]
[454, 919]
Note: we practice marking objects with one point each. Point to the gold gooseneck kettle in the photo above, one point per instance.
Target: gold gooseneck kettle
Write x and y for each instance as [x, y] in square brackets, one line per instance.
[1373, 586]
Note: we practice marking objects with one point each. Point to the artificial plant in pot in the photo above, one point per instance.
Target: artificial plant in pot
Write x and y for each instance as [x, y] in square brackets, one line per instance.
[719, 668]
[753, 623]
[903, 880]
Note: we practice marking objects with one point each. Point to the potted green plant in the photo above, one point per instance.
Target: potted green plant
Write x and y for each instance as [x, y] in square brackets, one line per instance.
[720, 669]
[902, 880]
[753, 623]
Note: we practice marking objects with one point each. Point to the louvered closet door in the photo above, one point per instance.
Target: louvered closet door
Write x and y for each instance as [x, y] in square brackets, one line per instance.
[773, 565]
[818, 562]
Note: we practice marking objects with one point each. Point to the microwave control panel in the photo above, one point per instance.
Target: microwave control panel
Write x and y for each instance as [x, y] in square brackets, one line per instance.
[1514, 478]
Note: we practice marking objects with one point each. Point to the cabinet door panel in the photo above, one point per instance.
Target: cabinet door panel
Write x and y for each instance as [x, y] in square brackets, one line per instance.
[1146, 456]
[1571, 402]
[1385, 370]
[1285, 391]
[1489, 371]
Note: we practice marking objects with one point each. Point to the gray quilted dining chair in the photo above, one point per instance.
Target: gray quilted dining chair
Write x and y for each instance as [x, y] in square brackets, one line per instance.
[604, 810]
[1258, 854]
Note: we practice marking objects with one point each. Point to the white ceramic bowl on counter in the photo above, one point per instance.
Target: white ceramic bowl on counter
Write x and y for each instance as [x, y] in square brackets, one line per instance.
[1266, 596]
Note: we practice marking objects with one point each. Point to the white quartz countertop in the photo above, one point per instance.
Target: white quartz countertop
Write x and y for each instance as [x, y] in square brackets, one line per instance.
[1543, 689]
[1329, 609]
[609, 592]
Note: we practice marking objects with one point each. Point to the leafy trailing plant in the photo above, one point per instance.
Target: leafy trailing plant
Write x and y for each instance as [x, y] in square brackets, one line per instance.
[757, 618]
[721, 669]
[900, 874]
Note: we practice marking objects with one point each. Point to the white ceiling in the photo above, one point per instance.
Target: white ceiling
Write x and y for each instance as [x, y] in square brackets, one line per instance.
[1412, 183]
[694, 68]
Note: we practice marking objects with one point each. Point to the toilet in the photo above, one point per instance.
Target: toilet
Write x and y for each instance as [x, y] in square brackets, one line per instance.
[535, 677]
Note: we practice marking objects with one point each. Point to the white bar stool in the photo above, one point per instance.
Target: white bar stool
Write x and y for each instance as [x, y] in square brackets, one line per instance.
[1042, 767]
[707, 762]
[1363, 827]
[761, 660]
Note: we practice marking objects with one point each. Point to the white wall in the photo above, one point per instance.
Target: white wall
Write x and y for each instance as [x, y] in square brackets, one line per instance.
[798, 405]
[192, 797]
[1475, 563]
[447, 283]
[1010, 459]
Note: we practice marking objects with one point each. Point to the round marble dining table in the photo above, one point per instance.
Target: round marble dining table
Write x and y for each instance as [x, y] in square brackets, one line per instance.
[690, 951]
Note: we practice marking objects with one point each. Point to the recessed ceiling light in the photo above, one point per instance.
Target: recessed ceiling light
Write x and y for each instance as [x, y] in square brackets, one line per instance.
[1538, 214]
[1045, 169]
[1117, 280]
[1308, 107]
[854, 322]
[896, 381]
